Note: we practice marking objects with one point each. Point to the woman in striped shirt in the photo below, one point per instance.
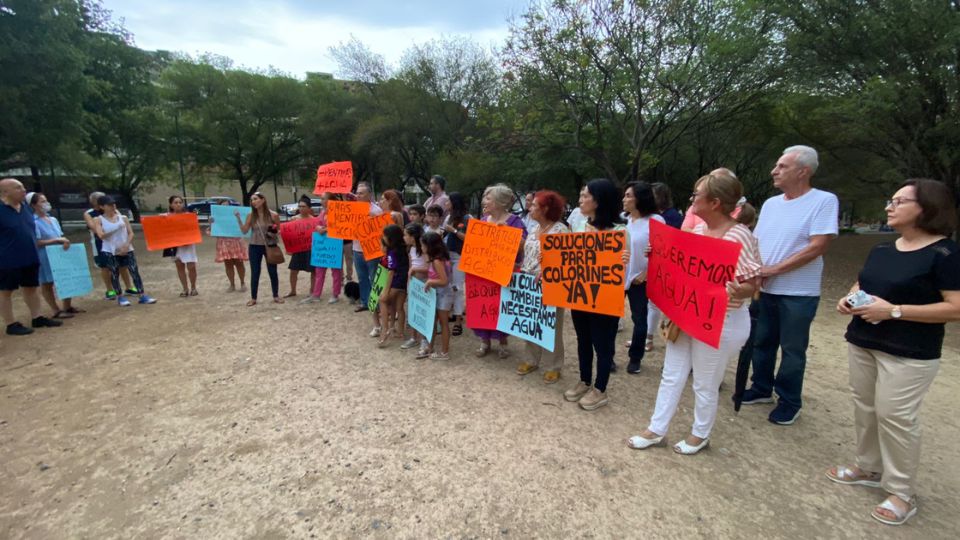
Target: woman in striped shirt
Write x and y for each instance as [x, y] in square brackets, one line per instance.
[714, 198]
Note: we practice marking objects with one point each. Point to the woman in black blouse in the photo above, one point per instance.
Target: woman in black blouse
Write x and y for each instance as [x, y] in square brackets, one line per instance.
[911, 288]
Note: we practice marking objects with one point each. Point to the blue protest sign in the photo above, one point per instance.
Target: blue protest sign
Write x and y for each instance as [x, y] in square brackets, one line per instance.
[71, 273]
[326, 252]
[421, 308]
[523, 314]
[225, 220]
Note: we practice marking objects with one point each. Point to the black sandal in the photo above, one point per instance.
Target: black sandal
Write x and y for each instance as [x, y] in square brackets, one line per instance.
[74, 310]
[62, 314]
[457, 330]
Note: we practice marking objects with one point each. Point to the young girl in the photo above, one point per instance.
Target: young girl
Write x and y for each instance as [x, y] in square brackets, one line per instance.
[438, 278]
[186, 256]
[231, 252]
[115, 232]
[455, 229]
[397, 263]
[418, 269]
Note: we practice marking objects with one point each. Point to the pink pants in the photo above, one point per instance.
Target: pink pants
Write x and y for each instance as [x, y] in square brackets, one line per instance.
[320, 276]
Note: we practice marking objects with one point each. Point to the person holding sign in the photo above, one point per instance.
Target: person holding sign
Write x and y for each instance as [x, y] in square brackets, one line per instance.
[364, 268]
[320, 274]
[115, 232]
[231, 252]
[600, 204]
[496, 203]
[300, 262]
[905, 294]
[455, 229]
[264, 223]
[713, 199]
[641, 207]
[545, 211]
[49, 233]
[391, 201]
[438, 277]
[186, 256]
[397, 263]
[89, 216]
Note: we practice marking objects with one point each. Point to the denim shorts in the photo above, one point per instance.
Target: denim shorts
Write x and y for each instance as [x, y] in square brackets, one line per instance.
[444, 298]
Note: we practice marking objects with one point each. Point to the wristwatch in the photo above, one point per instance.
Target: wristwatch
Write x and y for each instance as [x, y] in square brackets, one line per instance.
[895, 312]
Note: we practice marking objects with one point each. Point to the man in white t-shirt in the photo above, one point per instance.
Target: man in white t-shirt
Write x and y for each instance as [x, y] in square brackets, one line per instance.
[794, 231]
[364, 268]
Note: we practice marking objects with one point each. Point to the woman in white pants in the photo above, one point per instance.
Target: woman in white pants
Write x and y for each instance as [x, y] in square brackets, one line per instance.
[714, 198]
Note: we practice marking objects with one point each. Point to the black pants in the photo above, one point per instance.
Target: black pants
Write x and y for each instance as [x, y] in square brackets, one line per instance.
[595, 332]
[115, 262]
[637, 294]
[257, 254]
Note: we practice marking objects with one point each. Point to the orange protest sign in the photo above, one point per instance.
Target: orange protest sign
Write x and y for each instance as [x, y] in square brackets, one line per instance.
[584, 271]
[369, 234]
[297, 234]
[490, 250]
[171, 230]
[336, 177]
[344, 216]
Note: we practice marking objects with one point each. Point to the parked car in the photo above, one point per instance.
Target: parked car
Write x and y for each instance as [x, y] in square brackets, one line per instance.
[202, 207]
[290, 209]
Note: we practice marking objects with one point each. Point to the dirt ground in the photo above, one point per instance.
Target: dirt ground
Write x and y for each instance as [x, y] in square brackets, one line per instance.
[202, 418]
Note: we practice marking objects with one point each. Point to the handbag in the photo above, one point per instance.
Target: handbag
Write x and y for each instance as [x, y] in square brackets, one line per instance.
[274, 253]
[669, 331]
[170, 252]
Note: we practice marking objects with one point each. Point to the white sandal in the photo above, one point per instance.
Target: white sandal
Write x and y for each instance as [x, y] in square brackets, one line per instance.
[847, 477]
[638, 442]
[901, 515]
[688, 450]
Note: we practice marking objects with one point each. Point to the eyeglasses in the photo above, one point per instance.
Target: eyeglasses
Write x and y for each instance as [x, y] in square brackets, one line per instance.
[895, 202]
[694, 196]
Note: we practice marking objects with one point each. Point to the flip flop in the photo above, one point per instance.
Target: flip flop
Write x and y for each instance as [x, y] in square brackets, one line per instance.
[63, 314]
[75, 310]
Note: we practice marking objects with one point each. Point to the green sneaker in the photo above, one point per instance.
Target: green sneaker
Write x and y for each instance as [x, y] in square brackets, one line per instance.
[111, 295]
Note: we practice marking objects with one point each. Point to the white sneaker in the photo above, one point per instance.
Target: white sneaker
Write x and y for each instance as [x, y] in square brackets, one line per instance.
[409, 344]
[333, 300]
[375, 332]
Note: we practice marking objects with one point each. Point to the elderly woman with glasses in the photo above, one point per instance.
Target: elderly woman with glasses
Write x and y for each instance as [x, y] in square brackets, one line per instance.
[906, 292]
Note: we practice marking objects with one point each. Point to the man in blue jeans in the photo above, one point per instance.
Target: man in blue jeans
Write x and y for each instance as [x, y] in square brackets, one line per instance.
[794, 231]
[365, 269]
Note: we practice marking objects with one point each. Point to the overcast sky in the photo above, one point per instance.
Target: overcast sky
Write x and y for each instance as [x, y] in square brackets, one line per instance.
[294, 35]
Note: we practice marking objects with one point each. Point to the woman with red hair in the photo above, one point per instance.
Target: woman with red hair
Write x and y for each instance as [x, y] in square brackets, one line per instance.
[545, 211]
[390, 201]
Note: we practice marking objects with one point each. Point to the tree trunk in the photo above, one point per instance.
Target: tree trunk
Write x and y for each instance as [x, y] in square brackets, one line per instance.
[35, 174]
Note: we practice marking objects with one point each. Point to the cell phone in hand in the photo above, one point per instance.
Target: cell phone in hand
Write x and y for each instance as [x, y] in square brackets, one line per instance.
[859, 299]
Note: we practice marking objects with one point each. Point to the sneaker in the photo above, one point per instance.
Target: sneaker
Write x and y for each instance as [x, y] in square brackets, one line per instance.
[309, 300]
[752, 397]
[123, 302]
[111, 295]
[333, 300]
[132, 290]
[633, 367]
[360, 308]
[525, 368]
[43, 322]
[409, 344]
[375, 332]
[577, 392]
[17, 329]
[594, 399]
[613, 367]
[784, 414]
[424, 352]
[147, 299]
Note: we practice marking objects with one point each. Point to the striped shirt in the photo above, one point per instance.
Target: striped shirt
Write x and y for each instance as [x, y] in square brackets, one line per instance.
[749, 263]
[785, 227]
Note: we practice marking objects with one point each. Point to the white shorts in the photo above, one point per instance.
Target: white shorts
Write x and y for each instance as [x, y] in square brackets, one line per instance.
[187, 254]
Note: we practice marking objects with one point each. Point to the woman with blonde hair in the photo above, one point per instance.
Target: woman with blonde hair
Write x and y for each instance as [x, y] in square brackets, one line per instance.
[496, 203]
[713, 200]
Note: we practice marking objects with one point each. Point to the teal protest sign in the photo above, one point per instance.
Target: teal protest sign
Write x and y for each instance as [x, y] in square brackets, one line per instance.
[377, 284]
[224, 220]
[71, 274]
[326, 252]
[523, 314]
[421, 308]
